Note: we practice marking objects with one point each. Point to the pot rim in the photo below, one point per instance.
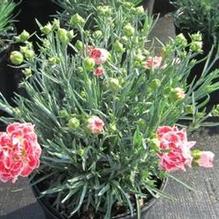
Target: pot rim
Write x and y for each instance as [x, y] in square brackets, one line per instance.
[51, 211]
[146, 206]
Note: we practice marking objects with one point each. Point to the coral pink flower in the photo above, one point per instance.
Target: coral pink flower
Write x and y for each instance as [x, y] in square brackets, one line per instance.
[175, 153]
[99, 71]
[153, 62]
[99, 55]
[19, 151]
[206, 159]
[95, 125]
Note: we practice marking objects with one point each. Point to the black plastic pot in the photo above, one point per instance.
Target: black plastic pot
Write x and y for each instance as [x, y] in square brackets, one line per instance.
[51, 213]
[163, 7]
[10, 78]
[29, 10]
[148, 5]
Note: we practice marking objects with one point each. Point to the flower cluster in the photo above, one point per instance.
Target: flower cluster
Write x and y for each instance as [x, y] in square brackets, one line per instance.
[19, 151]
[99, 57]
[175, 150]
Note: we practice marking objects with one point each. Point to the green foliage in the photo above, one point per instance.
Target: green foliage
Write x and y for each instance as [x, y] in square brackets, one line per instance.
[86, 7]
[6, 9]
[94, 173]
[202, 15]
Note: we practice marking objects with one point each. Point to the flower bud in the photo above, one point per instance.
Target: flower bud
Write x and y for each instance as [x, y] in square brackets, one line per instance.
[81, 152]
[127, 4]
[99, 71]
[77, 20]
[56, 24]
[112, 127]
[196, 46]
[155, 84]
[113, 84]
[70, 35]
[139, 59]
[63, 113]
[189, 109]
[129, 30]
[79, 45]
[46, 29]
[139, 10]
[73, 123]
[105, 10]
[46, 43]
[181, 40]
[29, 54]
[98, 34]
[177, 93]
[124, 39]
[196, 36]
[203, 158]
[16, 58]
[23, 36]
[54, 60]
[27, 72]
[63, 35]
[89, 64]
[118, 47]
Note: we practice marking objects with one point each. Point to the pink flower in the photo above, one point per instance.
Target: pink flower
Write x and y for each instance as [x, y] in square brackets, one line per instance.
[206, 159]
[153, 62]
[19, 151]
[95, 125]
[99, 55]
[99, 71]
[175, 149]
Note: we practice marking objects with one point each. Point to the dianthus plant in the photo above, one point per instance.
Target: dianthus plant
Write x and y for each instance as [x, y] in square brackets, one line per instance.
[105, 106]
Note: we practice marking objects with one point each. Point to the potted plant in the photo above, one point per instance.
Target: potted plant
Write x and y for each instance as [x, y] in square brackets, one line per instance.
[103, 125]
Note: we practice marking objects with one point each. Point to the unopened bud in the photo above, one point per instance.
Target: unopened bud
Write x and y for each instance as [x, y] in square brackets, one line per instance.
[63, 35]
[46, 29]
[73, 123]
[16, 58]
[89, 64]
[129, 30]
[118, 47]
[23, 36]
[27, 72]
[77, 20]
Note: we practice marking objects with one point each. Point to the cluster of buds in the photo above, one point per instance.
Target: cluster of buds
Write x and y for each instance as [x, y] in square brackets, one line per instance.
[94, 124]
[26, 52]
[95, 60]
[49, 27]
[196, 44]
